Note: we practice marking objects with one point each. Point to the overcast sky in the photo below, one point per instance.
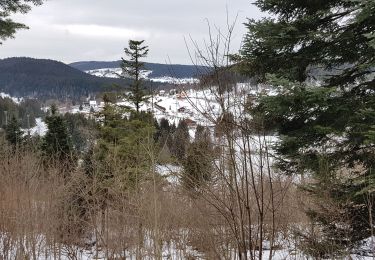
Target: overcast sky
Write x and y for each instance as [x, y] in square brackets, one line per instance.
[81, 30]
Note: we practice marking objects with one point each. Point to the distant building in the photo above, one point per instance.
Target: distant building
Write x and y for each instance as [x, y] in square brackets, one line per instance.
[92, 103]
[162, 93]
[182, 95]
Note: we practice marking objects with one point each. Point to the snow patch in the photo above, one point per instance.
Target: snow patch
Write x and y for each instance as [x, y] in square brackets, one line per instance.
[14, 99]
[40, 129]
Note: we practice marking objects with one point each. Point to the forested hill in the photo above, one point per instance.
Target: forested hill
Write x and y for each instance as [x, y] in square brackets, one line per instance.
[43, 78]
[158, 70]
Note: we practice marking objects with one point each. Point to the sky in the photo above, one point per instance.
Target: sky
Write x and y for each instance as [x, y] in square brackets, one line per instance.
[86, 30]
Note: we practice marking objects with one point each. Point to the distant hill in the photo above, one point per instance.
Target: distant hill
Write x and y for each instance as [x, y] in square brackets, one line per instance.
[27, 77]
[157, 70]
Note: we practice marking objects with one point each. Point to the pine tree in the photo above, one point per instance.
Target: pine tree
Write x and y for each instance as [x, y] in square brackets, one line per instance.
[8, 27]
[13, 132]
[322, 54]
[120, 150]
[198, 165]
[133, 67]
[164, 132]
[181, 140]
[56, 143]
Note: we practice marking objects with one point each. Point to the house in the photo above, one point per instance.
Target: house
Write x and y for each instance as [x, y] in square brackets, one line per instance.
[93, 104]
[162, 93]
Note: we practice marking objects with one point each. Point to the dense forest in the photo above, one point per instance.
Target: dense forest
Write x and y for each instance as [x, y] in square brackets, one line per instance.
[158, 70]
[26, 111]
[27, 77]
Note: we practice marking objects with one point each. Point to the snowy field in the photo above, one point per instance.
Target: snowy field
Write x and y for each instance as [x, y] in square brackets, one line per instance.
[170, 251]
[116, 72]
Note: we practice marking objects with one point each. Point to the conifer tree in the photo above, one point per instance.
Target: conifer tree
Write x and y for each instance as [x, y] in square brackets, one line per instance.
[198, 164]
[8, 27]
[323, 56]
[13, 132]
[133, 67]
[164, 132]
[56, 143]
[181, 139]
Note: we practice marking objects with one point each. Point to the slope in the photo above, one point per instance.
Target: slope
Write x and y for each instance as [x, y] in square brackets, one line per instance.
[157, 70]
[42, 78]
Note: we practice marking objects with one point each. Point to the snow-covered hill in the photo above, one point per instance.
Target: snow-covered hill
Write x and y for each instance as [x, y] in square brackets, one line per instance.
[146, 74]
[197, 106]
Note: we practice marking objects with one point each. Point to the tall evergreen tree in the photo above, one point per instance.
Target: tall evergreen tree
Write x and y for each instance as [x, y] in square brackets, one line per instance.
[56, 143]
[8, 27]
[198, 165]
[13, 132]
[120, 149]
[133, 67]
[322, 53]
[181, 140]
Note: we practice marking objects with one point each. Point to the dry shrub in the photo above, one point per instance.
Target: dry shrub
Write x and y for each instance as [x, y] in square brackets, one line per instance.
[44, 214]
[32, 206]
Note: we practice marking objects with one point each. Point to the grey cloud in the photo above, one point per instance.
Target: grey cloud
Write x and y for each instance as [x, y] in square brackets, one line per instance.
[165, 22]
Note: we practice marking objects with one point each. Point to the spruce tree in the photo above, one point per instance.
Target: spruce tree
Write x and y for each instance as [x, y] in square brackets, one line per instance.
[13, 132]
[198, 165]
[163, 132]
[133, 67]
[322, 54]
[181, 140]
[56, 143]
[120, 150]
[8, 27]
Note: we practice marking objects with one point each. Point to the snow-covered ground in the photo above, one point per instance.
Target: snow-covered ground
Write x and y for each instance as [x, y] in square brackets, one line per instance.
[199, 107]
[170, 251]
[39, 129]
[14, 99]
[116, 72]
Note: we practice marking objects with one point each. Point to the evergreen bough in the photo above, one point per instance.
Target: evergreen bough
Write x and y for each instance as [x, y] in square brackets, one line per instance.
[321, 56]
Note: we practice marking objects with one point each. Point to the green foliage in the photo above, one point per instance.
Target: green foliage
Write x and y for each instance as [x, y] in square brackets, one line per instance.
[198, 164]
[8, 27]
[133, 67]
[181, 140]
[164, 140]
[331, 34]
[124, 146]
[48, 79]
[57, 142]
[320, 55]
[26, 111]
[81, 130]
[13, 132]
